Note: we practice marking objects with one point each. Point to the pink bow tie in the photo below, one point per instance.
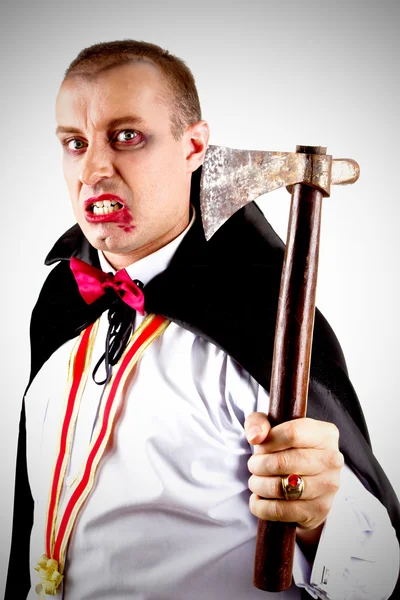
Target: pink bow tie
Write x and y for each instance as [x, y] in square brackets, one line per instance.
[93, 282]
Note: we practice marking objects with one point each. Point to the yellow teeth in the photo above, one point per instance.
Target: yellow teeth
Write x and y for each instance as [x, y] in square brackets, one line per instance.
[105, 207]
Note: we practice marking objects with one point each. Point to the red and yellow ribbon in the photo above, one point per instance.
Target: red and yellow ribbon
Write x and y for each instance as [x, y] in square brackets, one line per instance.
[59, 526]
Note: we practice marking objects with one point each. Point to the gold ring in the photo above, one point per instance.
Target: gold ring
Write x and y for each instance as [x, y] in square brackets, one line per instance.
[292, 486]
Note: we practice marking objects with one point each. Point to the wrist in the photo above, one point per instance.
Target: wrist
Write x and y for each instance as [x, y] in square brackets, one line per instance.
[308, 540]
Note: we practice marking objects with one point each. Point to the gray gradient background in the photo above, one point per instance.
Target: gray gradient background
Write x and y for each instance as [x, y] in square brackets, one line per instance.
[270, 75]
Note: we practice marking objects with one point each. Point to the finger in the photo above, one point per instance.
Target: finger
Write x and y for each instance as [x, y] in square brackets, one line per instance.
[301, 433]
[303, 461]
[314, 486]
[257, 427]
[306, 513]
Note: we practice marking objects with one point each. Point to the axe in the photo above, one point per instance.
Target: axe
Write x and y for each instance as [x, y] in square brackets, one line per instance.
[230, 179]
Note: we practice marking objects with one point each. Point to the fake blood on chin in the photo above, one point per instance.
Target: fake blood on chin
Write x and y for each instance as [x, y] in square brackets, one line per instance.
[121, 217]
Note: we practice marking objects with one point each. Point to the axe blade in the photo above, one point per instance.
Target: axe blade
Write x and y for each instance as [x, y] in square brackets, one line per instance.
[232, 178]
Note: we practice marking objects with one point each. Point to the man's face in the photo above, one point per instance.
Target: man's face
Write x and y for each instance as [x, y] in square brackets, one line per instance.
[128, 178]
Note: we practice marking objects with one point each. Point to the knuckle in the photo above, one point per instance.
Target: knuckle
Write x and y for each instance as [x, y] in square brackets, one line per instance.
[340, 460]
[290, 433]
[307, 456]
[334, 431]
[308, 522]
[292, 511]
[281, 462]
[334, 459]
[259, 486]
[286, 511]
[279, 510]
[250, 483]
[332, 485]
[258, 464]
[322, 505]
[258, 507]
[306, 519]
[250, 464]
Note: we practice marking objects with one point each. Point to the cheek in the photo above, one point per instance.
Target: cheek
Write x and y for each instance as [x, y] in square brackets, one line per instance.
[71, 176]
[153, 169]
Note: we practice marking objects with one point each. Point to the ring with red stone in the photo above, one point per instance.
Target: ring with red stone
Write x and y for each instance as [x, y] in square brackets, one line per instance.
[292, 486]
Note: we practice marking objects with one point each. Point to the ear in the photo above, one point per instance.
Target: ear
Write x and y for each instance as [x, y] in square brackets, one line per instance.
[197, 136]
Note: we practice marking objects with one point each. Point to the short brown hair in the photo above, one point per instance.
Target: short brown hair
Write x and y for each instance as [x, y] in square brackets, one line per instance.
[185, 100]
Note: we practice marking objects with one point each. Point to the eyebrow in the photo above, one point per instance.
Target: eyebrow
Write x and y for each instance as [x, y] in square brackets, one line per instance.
[127, 120]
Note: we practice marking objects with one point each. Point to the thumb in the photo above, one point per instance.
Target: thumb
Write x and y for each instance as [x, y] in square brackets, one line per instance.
[256, 427]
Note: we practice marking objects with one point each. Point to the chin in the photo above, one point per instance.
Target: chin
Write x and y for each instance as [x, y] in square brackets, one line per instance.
[103, 239]
[106, 245]
[111, 246]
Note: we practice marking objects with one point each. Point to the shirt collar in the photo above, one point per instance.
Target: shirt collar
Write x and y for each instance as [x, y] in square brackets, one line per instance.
[151, 265]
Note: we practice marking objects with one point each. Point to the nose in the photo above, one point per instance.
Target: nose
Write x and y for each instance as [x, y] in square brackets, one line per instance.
[96, 165]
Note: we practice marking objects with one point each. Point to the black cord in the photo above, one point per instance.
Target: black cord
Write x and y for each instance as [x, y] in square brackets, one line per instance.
[121, 318]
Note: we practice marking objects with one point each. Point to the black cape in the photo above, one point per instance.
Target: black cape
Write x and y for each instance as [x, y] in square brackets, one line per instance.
[202, 290]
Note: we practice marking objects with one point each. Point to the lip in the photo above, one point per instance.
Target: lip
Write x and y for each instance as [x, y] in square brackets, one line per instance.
[118, 216]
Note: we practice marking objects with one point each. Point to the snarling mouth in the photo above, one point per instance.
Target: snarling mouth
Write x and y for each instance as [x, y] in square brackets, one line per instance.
[104, 204]
[104, 207]
[108, 208]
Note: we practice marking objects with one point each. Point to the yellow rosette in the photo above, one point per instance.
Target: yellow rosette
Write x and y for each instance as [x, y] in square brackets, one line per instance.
[51, 577]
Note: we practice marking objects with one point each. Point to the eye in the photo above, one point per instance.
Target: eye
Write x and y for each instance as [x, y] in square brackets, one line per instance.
[74, 144]
[127, 135]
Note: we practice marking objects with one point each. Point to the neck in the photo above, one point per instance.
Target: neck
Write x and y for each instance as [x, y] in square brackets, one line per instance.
[121, 261]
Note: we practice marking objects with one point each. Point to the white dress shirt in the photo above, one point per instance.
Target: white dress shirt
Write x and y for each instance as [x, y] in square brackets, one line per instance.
[168, 517]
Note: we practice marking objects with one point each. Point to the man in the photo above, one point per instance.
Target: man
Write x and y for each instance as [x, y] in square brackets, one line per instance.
[138, 448]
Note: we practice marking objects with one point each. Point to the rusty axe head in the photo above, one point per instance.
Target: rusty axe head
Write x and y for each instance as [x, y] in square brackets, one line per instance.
[232, 178]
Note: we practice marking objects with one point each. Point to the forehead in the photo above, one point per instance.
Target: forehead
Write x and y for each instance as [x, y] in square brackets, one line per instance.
[131, 88]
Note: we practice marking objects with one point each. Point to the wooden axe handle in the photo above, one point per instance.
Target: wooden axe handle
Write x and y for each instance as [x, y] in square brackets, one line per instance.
[290, 366]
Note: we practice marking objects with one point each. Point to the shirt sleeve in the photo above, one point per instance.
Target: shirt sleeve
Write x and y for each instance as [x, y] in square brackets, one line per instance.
[358, 553]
